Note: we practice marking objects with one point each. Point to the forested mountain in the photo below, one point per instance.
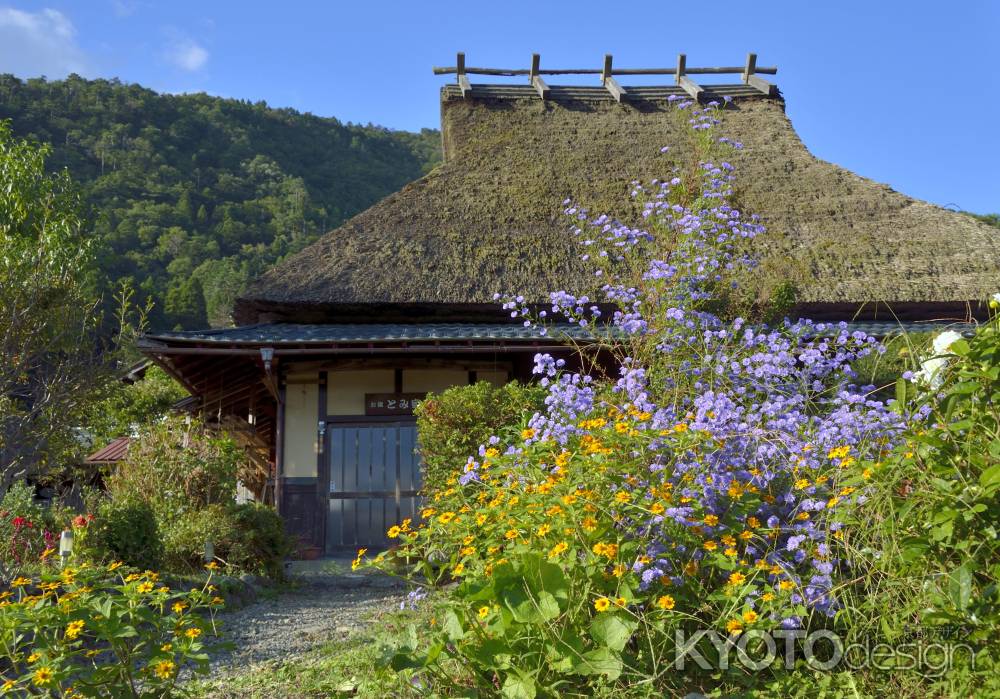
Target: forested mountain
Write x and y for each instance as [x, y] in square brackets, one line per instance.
[193, 195]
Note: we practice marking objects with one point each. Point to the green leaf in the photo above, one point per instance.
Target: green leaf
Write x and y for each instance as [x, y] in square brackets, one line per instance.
[990, 478]
[518, 687]
[601, 661]
[960, 586]
[452, 627]
[611, 631]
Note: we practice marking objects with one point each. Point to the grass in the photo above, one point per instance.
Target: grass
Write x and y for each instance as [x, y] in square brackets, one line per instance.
[351, 666]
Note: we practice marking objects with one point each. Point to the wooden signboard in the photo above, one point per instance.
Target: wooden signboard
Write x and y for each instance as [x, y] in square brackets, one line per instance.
[392, 403]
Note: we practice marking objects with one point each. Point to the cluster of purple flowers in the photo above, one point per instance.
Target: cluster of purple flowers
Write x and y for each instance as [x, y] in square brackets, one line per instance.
[780, 407]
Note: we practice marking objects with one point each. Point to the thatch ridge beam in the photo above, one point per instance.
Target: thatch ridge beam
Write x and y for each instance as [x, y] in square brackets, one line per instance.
[612, 86]
[517, 72]
[463, 79]
[536, 81]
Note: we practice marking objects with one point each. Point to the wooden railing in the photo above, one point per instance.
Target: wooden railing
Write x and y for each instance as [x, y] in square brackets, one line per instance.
[749, 73]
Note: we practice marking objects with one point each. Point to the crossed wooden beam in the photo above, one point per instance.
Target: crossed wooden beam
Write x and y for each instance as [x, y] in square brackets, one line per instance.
[750, 73]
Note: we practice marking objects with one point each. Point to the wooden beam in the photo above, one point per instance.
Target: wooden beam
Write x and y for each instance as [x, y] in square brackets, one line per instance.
[749, 69]
[610, 84]
[769, 89]
[463, 79]
[690, 87]
[536, 81]
[514, 72]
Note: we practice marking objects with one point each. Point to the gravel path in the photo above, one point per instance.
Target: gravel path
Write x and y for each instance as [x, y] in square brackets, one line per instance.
[323, 604]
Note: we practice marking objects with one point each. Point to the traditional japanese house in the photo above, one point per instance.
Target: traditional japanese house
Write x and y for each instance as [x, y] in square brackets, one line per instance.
[332, 347]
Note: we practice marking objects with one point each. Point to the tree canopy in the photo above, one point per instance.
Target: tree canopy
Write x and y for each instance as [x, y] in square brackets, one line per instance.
[193, 195]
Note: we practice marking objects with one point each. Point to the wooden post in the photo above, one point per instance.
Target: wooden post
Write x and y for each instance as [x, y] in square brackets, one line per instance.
[463, 79]
[684, 81]
[612, 86]
[750, 67]
[536, 80]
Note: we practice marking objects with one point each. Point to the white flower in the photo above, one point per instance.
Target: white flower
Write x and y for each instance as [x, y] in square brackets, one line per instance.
[995, 300]
[930, 369]
[945, 340]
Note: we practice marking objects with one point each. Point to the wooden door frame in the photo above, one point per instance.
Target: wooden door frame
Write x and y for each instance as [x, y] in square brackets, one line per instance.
[323, 458]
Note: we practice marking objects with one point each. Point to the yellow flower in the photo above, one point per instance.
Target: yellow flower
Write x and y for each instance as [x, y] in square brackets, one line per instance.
[786, 585]
[711, 520]
[619, 570]
[164, 669]
[558, 549]
[511, 534]
[467, 551]
[866, 474]
[393, 532]
[459, 569]
[602, 604]
[731, 552]
[446, 517]
[481, 519]
[665, 602]
[750, 616]
[217, 601]
[20, 582]
[734, 626]
[767, 597]
[544, 529]
[484, 612]
[802, 483]
[429, 512]
[115, 565]
[7, 686]
[192, 633]
[737, 579]
[621, 602]
[622, 497]
[33, 657]
[753, 522]
[42, 676]
[527, 433]
[167, 647]
[212, 565]
[145, 587]
[179, 607]
[710, 545]
[657, 508]
[589, 524]
[74, 629]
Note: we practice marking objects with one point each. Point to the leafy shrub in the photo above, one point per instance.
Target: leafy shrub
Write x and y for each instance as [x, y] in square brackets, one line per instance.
[247, 537]
[178, 465]
[454, 423]
[701, 491]
[26, 531]
[124, 530]
[104, 631]
[928, 544]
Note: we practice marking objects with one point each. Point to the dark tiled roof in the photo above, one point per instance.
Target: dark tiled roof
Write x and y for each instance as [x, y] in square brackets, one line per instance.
[113, 452]
[296, 333]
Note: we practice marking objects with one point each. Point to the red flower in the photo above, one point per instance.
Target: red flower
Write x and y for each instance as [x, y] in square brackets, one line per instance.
[90, 517]
[79, 521]
[18, 522]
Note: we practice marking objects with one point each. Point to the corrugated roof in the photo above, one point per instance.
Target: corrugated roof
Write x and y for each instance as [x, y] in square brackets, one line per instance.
[113, 452]
[298, 334]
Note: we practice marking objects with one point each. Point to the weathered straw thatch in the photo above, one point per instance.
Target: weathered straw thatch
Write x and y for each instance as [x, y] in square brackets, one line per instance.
[489, 218]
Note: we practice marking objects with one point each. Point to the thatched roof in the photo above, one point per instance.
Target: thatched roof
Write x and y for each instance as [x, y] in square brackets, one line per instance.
[488, 219]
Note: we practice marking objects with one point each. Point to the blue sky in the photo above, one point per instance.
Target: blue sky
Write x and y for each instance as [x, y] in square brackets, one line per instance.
[903, 92]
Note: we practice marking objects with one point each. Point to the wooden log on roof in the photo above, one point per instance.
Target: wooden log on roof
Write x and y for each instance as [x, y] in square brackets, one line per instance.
[689, 86]
[769, 89]
[610, 84]
[463, 79]
[536, 81]
[514, 72]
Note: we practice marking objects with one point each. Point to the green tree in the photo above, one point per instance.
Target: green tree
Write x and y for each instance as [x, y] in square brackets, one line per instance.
[185, 304]
[51, 363]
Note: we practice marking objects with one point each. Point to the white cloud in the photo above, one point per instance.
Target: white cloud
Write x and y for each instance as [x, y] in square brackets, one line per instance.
[187, 55]
[39, 43]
